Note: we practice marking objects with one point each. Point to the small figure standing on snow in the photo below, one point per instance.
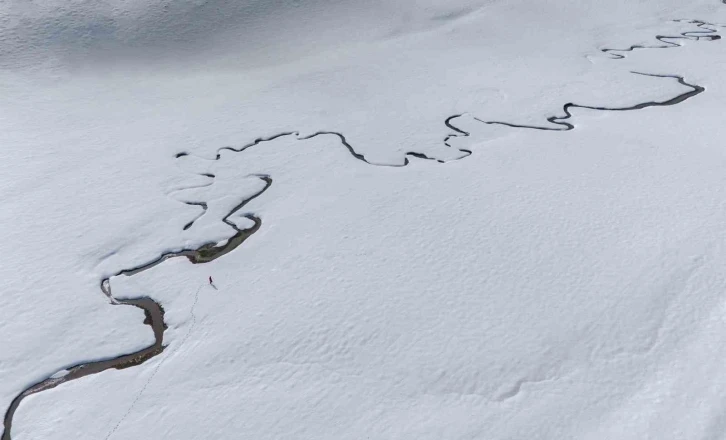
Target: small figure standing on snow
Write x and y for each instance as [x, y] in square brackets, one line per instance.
[211, 283]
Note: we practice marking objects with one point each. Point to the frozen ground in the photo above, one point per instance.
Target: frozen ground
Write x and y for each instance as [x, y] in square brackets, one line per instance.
[553, 284]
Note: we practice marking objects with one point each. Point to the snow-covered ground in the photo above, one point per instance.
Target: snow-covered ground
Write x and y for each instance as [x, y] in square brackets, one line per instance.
[552, 284]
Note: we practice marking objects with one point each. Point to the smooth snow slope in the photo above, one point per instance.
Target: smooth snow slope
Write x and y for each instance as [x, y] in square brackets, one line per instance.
[551, 285]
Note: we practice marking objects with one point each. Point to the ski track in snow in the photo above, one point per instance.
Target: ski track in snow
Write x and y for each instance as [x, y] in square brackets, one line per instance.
[210, 251]
[158, 366]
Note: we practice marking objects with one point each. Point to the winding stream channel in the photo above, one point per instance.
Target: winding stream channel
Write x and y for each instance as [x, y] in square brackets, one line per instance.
[153, 311]
[208, 252]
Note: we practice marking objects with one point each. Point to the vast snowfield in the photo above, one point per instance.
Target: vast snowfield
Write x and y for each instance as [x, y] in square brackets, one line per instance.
[439, 244]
